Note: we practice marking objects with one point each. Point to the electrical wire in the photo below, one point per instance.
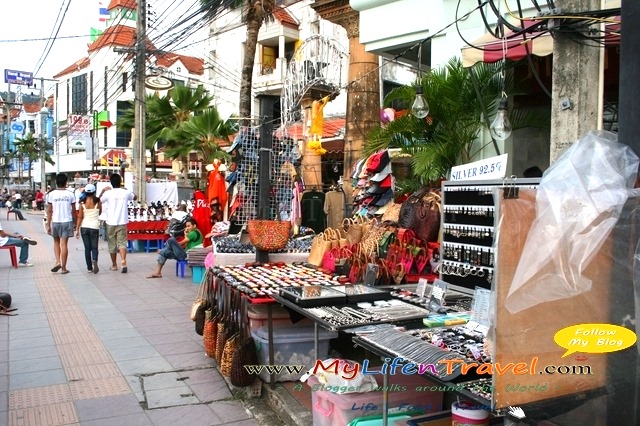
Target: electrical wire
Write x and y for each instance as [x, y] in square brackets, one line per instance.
[50, 45]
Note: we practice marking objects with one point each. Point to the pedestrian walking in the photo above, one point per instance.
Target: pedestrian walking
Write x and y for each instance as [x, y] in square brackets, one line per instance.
[61, 216]
[88, 226]
[19, 241]
[114, 200]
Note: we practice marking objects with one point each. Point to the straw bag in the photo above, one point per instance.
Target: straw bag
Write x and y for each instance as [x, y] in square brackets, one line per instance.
[210, 327]
[353, 229]
[223, 325]
[231, 344]
[319, 246]
[201, 299]
[246, 354]
[392, 214]
[269, 235]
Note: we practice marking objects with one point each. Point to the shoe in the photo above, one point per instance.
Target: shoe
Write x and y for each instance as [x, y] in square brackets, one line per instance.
[29, 241]
[95, 267]
[25, 264]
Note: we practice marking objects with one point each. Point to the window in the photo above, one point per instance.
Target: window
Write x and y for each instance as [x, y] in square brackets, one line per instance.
[79, 94]
[123, 137]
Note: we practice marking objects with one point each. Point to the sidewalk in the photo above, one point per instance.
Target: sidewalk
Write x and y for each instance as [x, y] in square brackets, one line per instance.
[106, 349]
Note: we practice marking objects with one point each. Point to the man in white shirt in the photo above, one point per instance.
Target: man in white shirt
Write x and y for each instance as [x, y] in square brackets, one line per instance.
[61, 217]
[18, 241]
[114, 200]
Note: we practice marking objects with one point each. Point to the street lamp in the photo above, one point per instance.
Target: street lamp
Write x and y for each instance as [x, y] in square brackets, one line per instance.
[44, 113]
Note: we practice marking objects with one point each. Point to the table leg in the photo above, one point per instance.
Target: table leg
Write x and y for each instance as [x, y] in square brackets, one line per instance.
[315, 339]
[385, 398]
[272, 375]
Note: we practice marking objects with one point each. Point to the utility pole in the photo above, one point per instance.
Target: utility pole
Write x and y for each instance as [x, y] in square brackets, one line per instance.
[139, 149]
[44, 112]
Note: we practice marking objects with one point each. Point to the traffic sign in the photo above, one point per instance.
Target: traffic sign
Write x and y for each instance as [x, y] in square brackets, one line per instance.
[18, 77]
[17, 127]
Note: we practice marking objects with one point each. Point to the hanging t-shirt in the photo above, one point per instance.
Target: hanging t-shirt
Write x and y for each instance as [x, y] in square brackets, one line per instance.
[334, 209]
[312, 209]
[114, 205]
[63, 202]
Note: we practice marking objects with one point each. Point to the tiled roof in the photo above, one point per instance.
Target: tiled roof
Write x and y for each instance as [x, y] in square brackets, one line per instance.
[284, 17]
[76, 66]
[331, 128]
[117, 35]
[31, 108]
[129, 4]
[194, 65]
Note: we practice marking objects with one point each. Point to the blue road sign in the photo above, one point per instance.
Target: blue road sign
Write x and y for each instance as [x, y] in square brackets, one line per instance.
[18, 77]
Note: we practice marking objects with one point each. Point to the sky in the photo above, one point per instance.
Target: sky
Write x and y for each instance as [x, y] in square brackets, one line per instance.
[36, 19]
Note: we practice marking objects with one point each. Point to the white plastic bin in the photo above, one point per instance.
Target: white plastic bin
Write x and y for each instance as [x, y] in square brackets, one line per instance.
[293, 345]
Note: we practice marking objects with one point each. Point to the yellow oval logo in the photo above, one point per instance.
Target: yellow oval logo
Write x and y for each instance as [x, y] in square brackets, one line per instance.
[594, 338]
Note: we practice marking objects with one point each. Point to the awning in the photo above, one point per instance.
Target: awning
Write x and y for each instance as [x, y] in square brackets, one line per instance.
[489, 49]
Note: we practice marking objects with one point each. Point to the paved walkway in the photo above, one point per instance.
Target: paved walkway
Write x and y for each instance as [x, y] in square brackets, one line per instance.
[104, 349]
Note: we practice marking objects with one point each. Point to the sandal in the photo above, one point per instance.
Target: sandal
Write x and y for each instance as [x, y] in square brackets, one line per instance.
[114, 268]
[56, 268]
[154, 276]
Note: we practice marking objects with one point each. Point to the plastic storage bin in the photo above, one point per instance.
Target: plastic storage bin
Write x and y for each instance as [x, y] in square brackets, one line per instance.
[332, 409]
[197, 272]
[258, 317]
[292, 345]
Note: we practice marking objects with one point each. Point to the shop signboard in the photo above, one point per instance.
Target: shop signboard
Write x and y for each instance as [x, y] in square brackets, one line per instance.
[79, 129]
[489, 168]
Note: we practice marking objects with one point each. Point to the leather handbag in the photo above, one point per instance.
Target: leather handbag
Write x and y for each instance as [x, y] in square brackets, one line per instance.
[427, 218]
[246, 353]
[408, 209]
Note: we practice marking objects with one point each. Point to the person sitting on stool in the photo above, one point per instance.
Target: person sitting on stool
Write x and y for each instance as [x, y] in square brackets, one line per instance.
[175, 249]
[18, 241]
[15, 210]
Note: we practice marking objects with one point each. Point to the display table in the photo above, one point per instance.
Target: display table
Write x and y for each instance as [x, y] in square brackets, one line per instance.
[149, 232]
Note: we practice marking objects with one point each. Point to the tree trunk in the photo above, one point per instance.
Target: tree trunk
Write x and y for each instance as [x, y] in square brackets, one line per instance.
[253, 26]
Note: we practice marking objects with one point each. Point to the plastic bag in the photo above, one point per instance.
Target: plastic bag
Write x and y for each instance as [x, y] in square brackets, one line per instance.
[337, 383]
[578, 203]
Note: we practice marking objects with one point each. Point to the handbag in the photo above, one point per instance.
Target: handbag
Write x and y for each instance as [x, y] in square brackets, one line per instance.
[200, 297]
[246, 353]
[319, 246]
[269, 235]
[209, 329]
[427, 220]
[353, 230]
[223, 325]
[392, 214]
[5, 304]
[231, 344]
[408, 209]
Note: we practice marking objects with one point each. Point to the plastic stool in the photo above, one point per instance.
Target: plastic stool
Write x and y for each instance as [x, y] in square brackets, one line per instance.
[152, 245]
[13, 254]
[181, 266]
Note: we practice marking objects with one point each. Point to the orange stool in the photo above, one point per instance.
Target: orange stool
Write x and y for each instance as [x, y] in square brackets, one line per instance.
[13, 254]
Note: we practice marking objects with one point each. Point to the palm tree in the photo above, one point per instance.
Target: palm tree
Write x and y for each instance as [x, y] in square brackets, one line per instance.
[448, 135]
[205, 131]
[254, 13]
[166, 117]
[30, 148]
